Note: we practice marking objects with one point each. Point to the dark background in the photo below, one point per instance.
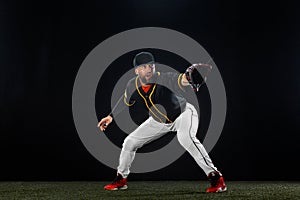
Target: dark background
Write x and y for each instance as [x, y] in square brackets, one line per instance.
[254, 44]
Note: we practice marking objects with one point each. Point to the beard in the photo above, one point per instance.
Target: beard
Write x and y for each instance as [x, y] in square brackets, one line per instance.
[149, 81]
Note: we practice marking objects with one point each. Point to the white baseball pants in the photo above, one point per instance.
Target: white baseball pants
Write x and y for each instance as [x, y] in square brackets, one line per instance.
[186, 126]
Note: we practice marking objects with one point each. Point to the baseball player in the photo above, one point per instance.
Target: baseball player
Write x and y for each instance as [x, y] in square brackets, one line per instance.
[142, 94]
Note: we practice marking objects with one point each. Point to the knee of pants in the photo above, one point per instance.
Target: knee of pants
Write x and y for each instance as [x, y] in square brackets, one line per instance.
[131, 144]
[184, 139]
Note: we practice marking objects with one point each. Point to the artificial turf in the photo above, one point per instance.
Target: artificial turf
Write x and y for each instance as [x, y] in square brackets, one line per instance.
[148, 190]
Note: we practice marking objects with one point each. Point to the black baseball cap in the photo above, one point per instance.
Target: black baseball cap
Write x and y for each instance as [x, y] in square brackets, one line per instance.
[143, 58]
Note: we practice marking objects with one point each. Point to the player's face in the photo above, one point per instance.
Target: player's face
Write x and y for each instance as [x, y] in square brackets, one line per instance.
[145, 72]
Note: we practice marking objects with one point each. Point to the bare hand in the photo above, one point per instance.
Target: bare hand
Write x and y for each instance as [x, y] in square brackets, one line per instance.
[105, 122]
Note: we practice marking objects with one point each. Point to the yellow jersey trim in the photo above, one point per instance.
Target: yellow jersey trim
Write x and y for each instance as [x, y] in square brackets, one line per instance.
[179, 83]
[156, 107]
[137, 88]
[125, 97]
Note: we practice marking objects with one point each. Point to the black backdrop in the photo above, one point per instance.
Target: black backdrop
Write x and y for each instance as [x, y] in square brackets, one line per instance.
[254, 44]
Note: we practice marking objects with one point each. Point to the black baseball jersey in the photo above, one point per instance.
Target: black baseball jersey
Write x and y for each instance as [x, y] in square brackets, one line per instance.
[164, 100]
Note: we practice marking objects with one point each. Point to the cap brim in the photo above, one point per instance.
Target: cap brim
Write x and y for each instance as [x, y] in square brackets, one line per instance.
[146, 64]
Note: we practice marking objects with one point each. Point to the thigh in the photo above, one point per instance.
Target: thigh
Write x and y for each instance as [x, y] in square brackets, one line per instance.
[149, 130]
[188, 121]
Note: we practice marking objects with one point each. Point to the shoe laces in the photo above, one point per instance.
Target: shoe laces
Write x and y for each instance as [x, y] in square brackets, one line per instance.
[118, 178]
[214, 179]
[215, 183]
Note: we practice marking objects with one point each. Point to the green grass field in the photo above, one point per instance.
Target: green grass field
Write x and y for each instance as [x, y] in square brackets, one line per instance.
[148, 190]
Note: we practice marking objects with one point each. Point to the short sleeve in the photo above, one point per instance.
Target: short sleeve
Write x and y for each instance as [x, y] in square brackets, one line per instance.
[128, 92]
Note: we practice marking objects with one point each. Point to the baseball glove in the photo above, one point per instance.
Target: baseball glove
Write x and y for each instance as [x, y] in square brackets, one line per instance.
[196, 75]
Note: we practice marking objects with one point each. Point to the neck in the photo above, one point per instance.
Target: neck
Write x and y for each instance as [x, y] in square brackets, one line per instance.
[142, 83]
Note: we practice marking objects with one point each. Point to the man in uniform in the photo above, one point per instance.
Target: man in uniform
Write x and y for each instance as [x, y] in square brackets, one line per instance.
[142, 95]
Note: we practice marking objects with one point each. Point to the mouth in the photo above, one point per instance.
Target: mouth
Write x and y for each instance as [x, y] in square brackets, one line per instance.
[148, 75]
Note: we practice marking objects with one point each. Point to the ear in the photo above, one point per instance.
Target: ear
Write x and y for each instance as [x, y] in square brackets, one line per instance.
[136, 71]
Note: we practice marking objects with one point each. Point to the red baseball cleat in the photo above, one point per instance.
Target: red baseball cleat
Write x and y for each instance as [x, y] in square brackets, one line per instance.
[217, 183]
[118, 184]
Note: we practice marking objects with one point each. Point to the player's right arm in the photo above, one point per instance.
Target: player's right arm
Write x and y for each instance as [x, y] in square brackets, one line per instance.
[121, 104]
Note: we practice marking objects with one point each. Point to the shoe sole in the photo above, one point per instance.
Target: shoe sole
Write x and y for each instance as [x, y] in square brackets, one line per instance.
[119, 188]
[222, 190]
[219, 191]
